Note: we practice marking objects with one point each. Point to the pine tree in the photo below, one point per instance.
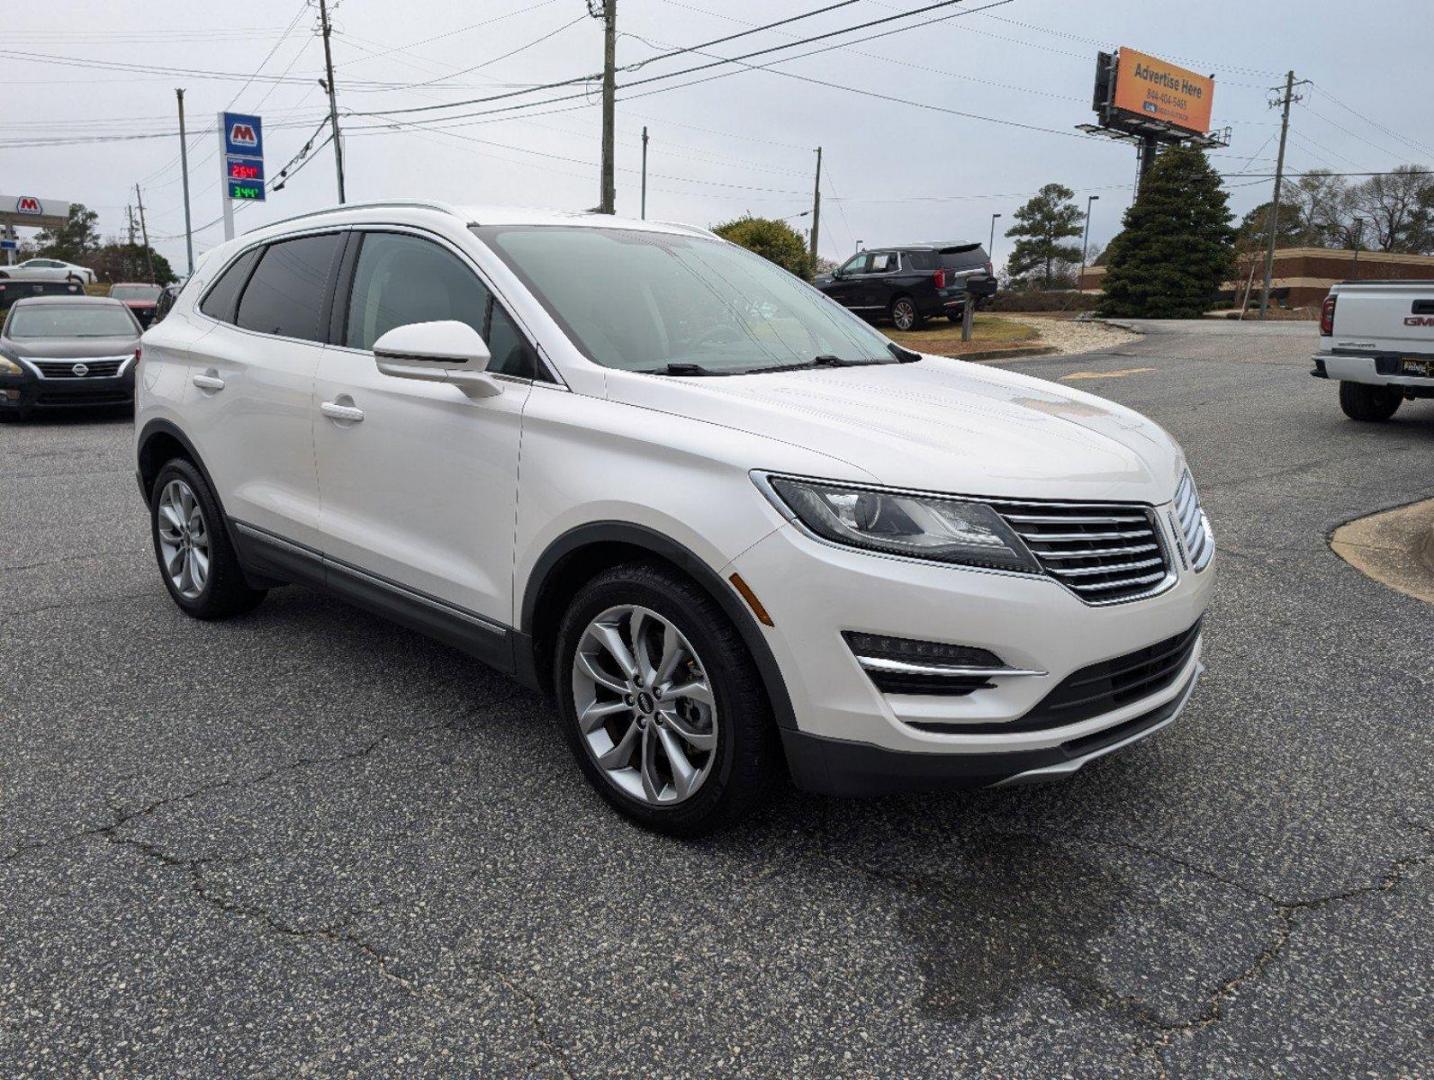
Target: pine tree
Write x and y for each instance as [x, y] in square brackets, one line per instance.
[1177, 246]
[1039, 256]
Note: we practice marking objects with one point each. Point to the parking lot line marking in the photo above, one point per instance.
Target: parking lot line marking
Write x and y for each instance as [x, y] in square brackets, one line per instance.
[1074, 375]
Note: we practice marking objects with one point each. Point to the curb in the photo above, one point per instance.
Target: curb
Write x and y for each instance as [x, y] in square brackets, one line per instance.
[1393, 547]
[989, 356]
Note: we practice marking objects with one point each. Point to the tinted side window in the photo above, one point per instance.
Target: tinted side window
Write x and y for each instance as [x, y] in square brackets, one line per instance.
[511, 353]
[219, 303]
[403, 279]
[855, 265]
[883, 262]
[286, 294]
[922, 260]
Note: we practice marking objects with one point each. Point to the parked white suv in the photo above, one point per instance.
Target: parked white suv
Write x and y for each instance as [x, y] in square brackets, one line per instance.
[731, 528]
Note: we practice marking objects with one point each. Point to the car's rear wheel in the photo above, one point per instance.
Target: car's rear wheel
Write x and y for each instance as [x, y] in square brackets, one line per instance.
[904, 314]
[1360, 401]
[196, 560]
[662, 704]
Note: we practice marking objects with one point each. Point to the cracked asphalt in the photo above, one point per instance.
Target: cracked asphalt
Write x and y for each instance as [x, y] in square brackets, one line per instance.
[309, 843]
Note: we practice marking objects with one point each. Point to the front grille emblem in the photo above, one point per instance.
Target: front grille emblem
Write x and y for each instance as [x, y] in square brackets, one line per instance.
[80, 370]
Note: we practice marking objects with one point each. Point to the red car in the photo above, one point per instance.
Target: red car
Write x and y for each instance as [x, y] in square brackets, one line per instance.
[138, 297]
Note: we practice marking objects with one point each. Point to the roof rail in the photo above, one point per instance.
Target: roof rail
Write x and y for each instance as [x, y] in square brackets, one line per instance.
[416, 204]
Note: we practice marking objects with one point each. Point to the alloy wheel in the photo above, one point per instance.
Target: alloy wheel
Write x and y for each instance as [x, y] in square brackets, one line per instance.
[645, 708]
[903, 314]
[183, 539]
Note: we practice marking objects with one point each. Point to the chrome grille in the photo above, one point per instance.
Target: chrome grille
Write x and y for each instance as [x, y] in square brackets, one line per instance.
[1103, 552]
[99, 368]
[1192, 525]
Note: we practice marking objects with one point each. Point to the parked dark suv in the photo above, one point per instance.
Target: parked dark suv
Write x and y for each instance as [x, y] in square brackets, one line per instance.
[911, 283]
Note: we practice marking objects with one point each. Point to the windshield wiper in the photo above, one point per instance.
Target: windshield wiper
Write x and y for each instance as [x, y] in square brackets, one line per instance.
[679, 369]
[903, 356]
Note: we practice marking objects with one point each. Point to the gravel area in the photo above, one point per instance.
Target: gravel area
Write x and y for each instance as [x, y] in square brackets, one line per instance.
[1068, 336]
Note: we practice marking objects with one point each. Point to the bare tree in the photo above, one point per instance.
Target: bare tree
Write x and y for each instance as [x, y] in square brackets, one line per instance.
[1399, 208]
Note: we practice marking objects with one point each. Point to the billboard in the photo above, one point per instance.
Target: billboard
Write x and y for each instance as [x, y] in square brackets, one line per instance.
[33, 211]
[1157, 90]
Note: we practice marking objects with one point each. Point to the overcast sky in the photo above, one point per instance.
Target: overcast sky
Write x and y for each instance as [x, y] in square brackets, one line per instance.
[893, 170]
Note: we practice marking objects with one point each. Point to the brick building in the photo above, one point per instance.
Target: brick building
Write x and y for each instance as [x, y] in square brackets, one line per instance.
[1303, 275]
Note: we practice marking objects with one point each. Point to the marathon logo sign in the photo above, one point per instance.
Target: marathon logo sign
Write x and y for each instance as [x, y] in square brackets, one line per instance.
[28, 204]
[243, 135]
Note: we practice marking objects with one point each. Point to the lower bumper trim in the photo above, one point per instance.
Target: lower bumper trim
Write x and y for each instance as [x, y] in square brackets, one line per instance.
[840, 767]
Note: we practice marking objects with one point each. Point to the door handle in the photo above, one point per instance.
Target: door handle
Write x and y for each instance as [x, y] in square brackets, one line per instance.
[208, 382]
[335, 411]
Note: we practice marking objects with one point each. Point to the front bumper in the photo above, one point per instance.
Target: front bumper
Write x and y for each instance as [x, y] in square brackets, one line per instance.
[1379, 370]
[851, 737]
[29, 391]
[839, 767]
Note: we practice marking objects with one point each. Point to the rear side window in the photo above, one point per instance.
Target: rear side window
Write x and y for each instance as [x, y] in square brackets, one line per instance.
[224, 296]
[286, 294]
[922, 260]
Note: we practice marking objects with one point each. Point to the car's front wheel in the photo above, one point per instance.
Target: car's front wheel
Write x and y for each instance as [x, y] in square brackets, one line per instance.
[904, 314]
[1361, 401]
[196, 560]
[662, 704]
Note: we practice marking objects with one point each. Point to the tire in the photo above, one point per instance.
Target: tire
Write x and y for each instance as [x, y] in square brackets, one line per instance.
[179, 537]
[736, 774]
[1372, 404]
[955, 316]
[906, 315]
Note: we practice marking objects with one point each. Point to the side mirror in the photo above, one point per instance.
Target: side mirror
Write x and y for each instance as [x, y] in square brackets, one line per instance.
[445, 351]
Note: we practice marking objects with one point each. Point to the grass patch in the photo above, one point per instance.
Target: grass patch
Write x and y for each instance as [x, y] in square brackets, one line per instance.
[987, 332]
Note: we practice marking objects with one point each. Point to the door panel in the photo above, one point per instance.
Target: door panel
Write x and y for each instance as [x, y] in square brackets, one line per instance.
[253, 418]
[421, 491]
[254, 409]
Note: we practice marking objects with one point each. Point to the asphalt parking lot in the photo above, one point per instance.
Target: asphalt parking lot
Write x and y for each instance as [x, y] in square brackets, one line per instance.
[307, 842]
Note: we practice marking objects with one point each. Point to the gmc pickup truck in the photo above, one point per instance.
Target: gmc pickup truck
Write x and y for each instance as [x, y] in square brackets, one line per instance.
[1377, 339]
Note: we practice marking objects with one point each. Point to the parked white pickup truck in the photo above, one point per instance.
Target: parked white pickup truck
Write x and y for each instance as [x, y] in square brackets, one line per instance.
[1377, 339]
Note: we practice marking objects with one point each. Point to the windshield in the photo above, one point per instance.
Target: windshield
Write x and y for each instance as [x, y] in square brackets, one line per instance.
[135, 292]
[71, 320]
[646, 301]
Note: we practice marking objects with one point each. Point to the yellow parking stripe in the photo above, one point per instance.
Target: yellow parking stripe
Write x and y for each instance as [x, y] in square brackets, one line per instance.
[1074, 375]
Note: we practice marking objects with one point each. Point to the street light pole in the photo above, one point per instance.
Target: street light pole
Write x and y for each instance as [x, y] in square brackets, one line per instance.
[1085, 243]
[184, 175]
[991, 243]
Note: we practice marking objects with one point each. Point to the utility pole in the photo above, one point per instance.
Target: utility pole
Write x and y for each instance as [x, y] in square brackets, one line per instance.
[607, 195]
[1287, 95]
[144, 231]
[644, 172]
[129, 216]
[184, 173]
[327, 29]
[1085, 243]
[817, 208]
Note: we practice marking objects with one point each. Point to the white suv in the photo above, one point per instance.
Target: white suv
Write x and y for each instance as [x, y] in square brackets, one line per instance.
[731, 528]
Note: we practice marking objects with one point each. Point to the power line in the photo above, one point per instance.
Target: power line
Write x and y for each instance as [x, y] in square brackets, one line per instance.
[576, 80]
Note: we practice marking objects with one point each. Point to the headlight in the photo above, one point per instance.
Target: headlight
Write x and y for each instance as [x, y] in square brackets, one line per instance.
[918, 526]
[9, 367]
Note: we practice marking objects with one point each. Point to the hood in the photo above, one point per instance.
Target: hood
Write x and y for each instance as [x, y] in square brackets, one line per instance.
[938, 425]
[65, 348]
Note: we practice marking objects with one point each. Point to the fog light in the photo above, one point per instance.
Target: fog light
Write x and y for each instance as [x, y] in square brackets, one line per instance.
[907, 666]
